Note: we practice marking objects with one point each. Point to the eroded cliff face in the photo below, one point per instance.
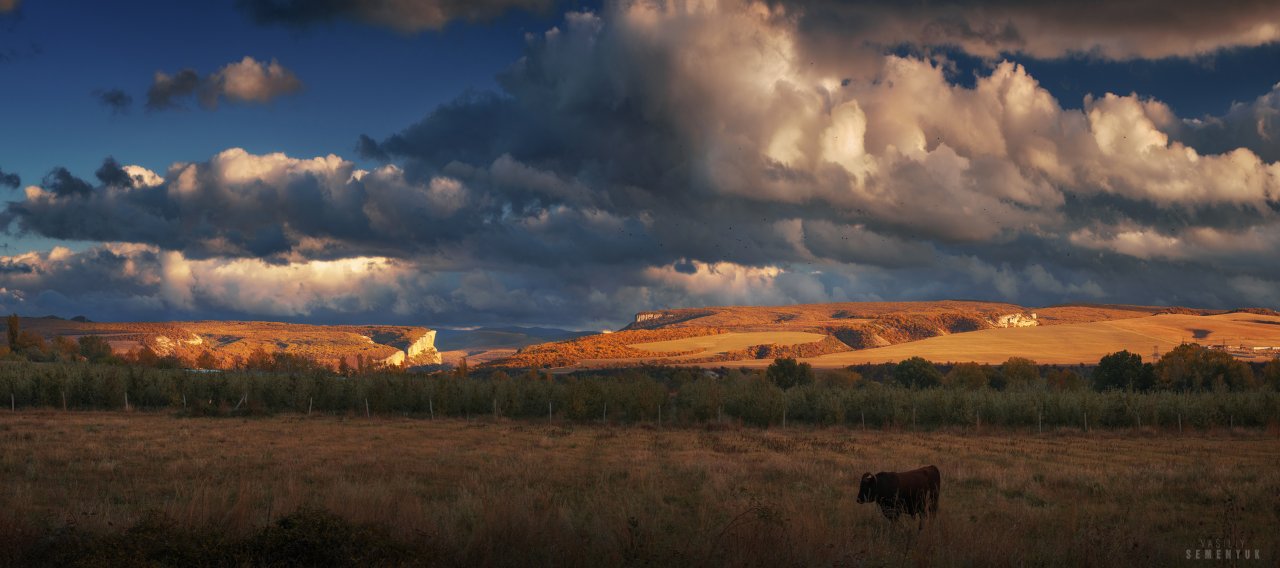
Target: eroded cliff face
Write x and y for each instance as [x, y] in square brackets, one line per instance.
[422, 351]
[232, 342]
[1017, 320]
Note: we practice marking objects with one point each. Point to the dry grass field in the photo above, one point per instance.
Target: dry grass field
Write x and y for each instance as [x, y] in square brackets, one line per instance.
[1128, 328]
[1071, 343]
[496, 493]
[725, 342]
[844, 333]
[807, 316]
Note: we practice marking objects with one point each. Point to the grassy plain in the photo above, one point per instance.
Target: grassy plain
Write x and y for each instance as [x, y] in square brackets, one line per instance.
[1070, 343]
[725, 342]
[456, 492]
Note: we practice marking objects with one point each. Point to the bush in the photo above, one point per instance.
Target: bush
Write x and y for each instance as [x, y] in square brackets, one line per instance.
[1123, 370]
[917, 372]
[787, 373]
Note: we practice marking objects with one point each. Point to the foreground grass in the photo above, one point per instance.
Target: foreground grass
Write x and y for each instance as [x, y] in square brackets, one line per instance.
[455, 492]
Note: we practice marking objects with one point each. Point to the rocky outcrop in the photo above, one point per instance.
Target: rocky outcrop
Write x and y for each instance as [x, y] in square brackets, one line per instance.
[1016, 320]
[423, 350]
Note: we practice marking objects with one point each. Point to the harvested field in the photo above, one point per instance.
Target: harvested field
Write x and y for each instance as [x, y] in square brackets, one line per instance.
[456, 492]
[1072, 343]
[725, 342]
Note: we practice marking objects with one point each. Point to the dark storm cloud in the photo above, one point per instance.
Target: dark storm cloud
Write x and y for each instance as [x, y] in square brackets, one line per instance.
[396, 14]
[115, 99]
[1144, 29]
[10, 179]
[112, 175]
[167, 91]
[63, 184]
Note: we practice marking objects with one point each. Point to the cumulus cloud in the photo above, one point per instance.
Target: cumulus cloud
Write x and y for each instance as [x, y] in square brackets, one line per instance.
[247, 80]
[402, 15]
[614, 172]
[115, 99]
[1254, 125]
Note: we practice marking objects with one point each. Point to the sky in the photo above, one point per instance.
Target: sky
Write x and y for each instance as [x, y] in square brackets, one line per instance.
[566, 163]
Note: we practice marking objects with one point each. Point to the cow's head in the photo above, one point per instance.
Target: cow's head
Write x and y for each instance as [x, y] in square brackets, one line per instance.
[866, 491]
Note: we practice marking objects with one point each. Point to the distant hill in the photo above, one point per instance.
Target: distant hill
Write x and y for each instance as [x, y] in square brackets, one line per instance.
[484, 344]
[833, 334]
[229, 340]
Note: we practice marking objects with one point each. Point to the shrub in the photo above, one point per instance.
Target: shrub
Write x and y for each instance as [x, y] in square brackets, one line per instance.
[917, 372]
[787, 373]
[1123, 370]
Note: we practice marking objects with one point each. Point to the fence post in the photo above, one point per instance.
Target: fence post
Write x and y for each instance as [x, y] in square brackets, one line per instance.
[659, 414]
[431, 407]
[13, 405]
[548, 412]
[64, 401]
[604, 414]
[1179, 422]
[913, 418]
[1040, 420]
[1086, 421]
[784, 417]
[366, 407]
[126, 401]
[864, 418]
[495, 408]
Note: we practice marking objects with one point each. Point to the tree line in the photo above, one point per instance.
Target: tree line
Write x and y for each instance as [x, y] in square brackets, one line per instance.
[649, 395]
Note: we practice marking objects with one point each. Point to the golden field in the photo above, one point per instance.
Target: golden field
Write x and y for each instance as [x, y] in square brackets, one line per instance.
[1075, 343]
[841, 334]
[726, 342]
[455, 492]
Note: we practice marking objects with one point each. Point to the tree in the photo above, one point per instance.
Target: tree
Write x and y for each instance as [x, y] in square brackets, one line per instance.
[14, 325]
[31, 345]
[1123, 370]
[839, 378]
[1194, 367]
[206, 360]
[66, 349]
[1064, 380]
[787, 373]
[1271, 374]
[146, 357]
[260, 360]
[969, 376]
[1020, 373]
[94, 348]
[917, 372]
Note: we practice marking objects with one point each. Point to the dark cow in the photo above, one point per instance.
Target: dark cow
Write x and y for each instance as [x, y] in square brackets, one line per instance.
[911, 492]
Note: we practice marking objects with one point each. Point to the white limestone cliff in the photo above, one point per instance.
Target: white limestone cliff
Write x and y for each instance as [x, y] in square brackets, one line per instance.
[423, 350]
[1016, 320]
